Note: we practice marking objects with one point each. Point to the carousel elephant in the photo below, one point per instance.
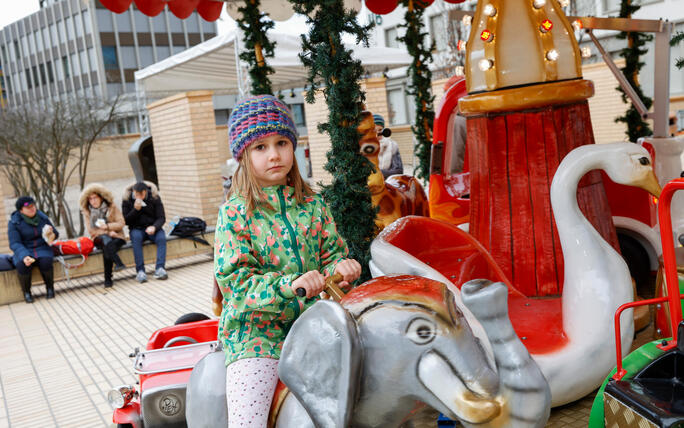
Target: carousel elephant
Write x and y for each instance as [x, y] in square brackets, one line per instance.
[394, 352]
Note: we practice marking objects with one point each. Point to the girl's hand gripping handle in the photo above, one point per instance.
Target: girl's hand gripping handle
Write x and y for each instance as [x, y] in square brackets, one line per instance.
[331, 287]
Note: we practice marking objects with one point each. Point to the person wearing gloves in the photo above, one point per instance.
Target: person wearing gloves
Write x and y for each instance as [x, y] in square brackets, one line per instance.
[105, 225]
[144, 214]
[30, 234]
[389, 158]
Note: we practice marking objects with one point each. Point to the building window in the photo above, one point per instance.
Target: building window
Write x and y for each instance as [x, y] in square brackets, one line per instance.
[17, 51]
[298, 114]
[221, 116]
[65, 67]
[397, 106]
[41, 67]
[438, 32]
[391, 35]
[4, 54]
[611, 5]
[109, 57]
[35, 75]
[51, 76]
[28, 78]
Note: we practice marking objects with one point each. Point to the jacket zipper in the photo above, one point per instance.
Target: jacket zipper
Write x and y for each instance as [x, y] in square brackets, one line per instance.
[290, 230]
[281, 196]
[243, 325]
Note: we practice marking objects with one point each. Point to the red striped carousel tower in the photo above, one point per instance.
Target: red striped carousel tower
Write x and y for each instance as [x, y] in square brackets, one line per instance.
[526, 109]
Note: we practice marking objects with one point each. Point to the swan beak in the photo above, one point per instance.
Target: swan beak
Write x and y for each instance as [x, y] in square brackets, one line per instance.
[650, 184]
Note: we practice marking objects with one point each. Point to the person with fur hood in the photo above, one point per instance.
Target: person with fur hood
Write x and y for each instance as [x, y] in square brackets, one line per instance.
[105, 224]
[144, 214]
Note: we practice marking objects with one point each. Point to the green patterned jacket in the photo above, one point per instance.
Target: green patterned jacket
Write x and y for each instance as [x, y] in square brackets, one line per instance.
[255, 262]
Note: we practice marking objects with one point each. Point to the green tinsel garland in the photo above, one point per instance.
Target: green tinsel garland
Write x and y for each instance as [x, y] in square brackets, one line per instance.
[676, 39]
[421, 84]
[258, 47]
[329, 62]
[637, 127]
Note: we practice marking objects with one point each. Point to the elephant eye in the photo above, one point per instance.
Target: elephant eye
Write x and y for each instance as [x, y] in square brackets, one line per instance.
[421, 331]
[644, 160]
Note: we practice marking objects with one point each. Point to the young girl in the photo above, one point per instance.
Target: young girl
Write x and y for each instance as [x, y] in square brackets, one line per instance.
[273, 236]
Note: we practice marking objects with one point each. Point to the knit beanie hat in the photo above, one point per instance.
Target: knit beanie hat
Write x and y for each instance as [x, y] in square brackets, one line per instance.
[379, 120]
[257, 117]
[24, 201]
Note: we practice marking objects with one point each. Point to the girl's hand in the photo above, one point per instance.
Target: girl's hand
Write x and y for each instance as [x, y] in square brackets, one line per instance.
[350, 270]
[312, 281]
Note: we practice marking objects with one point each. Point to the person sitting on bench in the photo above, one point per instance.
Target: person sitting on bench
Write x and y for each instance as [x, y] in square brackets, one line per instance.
[144, 214]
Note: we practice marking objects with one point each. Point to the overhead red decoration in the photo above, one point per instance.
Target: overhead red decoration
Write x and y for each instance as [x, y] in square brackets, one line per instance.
[116, 6]
[209, 10]
[424, 3]
[150, 7]
[182, 8]
[454, 1]
[381, 7]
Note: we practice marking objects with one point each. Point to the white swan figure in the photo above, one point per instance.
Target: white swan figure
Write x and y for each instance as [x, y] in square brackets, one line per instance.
[597, 280]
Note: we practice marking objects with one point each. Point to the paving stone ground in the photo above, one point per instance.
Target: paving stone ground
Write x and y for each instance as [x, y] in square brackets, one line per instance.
[60, 357]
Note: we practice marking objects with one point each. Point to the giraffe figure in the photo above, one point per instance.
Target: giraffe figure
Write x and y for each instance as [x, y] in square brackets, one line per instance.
[400, 195]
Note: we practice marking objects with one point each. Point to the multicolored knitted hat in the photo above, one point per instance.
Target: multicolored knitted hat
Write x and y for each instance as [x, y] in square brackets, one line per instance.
[379, 120]
[257, 117]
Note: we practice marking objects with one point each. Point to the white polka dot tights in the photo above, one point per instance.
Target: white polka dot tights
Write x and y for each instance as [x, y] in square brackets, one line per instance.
[250, 384]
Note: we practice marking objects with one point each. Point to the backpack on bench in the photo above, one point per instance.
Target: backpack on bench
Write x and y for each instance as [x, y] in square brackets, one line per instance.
[189, 227]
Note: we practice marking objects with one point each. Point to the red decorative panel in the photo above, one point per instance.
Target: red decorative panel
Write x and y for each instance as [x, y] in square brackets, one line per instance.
[209, 10]
[381, 7]
[150, 7]
[513, 157]
[116, 6]
[182, 8]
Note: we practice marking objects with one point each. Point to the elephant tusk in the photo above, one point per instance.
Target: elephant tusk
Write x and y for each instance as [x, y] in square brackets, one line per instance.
[438, 376]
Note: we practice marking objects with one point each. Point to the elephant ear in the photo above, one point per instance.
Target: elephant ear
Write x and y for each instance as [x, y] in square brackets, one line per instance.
[321, 361]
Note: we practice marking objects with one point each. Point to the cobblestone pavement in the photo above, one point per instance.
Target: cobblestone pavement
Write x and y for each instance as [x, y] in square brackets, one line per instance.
[59, 358]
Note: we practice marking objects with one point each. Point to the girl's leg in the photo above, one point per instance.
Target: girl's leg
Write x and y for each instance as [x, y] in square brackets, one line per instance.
[250, 384]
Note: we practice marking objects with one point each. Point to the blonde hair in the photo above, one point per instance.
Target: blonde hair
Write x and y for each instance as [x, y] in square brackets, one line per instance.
[246, 185]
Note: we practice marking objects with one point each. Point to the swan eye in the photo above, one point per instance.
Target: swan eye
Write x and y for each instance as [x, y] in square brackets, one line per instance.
[421, 331]
[644, 160]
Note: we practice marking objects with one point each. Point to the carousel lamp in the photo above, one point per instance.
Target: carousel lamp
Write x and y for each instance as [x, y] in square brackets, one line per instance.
[485, 64]
[586, 52]
[489, 10]
[552, 55]
[467, 19]
[120, 396]
[538, 4]
[486, 36]
[546, 26]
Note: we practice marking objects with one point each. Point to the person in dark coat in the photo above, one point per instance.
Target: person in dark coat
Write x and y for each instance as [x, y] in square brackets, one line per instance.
[28, 230]
[144, 214]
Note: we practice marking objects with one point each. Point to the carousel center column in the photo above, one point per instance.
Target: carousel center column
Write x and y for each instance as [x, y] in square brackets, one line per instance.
[526, 108]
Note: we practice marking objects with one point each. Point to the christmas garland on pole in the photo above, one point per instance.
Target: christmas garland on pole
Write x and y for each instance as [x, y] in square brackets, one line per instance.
[676, 39]
[637, 127]
[329, 61]
[421, 84]
[254, 25]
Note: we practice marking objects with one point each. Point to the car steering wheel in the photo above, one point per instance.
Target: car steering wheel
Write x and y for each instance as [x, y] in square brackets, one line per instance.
[176, 339]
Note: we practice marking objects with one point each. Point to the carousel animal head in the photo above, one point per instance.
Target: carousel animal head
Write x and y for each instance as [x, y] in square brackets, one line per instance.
[400, 195]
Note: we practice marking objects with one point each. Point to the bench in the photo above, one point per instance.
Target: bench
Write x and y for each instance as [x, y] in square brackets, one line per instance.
[10, 290]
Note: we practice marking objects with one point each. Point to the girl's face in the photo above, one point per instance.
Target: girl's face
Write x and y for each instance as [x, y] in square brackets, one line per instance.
[271, 158]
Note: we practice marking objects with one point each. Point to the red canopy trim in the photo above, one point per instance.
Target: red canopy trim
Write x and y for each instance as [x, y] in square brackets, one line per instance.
[209, 10]
[383, 7]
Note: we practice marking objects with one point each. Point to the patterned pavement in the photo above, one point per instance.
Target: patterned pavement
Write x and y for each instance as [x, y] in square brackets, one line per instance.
[59, 358]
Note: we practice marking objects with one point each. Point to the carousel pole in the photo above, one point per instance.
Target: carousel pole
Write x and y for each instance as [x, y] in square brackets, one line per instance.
[526, 109]
[254, 24]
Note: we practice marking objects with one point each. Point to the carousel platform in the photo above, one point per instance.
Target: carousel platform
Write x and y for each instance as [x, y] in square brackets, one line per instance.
[60, 357]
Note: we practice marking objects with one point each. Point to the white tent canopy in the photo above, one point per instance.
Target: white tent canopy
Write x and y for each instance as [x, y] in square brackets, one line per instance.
[212, 65]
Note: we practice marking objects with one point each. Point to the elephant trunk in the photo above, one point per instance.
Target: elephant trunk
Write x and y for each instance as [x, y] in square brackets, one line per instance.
[523, 390]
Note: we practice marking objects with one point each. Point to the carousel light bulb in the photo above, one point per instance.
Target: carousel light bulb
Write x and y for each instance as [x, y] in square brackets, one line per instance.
[467, 19]
[552, 55]
[586, 52]
[546, 26]
[486, 36]
[461, 45]
[538, 4]
[485, 64]
[489, 10]
[564, 3]
[577, 24]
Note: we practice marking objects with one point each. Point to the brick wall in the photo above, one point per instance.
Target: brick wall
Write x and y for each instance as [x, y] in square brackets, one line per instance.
[606, 104]
[187, 154]
[319, 144]
[376, 96]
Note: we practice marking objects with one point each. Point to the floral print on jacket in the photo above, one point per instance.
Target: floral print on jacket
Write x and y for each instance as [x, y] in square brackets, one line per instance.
[257, 256]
